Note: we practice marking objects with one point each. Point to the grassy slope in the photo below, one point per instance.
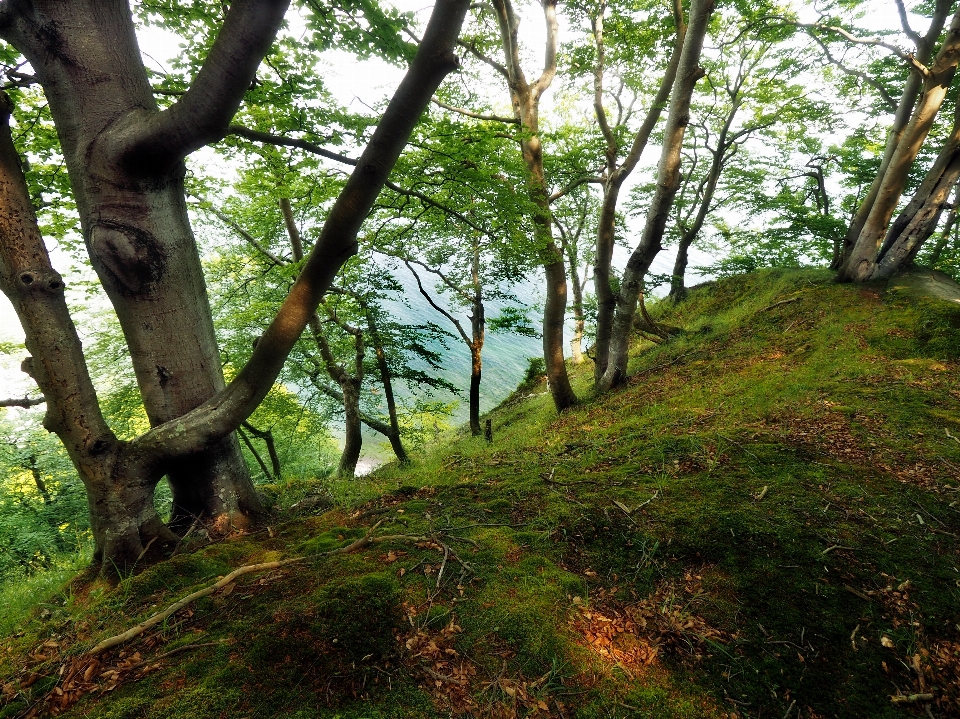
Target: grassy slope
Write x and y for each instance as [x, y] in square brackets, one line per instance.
[791, 545]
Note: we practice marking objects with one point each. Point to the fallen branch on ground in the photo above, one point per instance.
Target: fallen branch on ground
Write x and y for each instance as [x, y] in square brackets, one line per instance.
[779, 304]
[219, 584]
[911, 698]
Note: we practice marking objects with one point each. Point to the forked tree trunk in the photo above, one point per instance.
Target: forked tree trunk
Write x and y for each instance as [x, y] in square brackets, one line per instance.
[104, 107]
[668, 182]
[919, 219]
[525, 97]
[128, 185]
[908, 100]
[615, 177]
[861, 262]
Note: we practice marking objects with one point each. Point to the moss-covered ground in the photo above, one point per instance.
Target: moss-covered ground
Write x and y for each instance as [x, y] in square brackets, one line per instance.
[765, 522]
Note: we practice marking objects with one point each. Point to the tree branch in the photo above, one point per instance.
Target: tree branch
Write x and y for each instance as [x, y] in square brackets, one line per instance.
[475, 115]
[336, 243]
[905, 24]
[270, 139]
[862, 76]
[250, 239]
[24, 402]
[874, 42]
[453, 320]
[471, 47]
[203, 114]
[587, 179]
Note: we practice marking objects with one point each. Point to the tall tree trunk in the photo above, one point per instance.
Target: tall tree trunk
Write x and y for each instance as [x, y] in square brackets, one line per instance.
[579, 322]
[526, 107]
[668, 182]
[352, 438]
[477, 325]
[350, 389]
[861, 262]
[386, 379]
[615, 177]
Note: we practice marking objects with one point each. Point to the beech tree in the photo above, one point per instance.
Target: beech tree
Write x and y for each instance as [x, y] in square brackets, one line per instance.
[668, 183]
[873, 248]
[125, 160]
[525, 96]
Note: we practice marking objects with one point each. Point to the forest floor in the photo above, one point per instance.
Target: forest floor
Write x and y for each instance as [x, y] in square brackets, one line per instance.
[764, 523]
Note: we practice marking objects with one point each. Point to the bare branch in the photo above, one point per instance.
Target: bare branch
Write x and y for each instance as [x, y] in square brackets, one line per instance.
[563, 191]
[862, 76]
[550, 51]
[25, 402]
[475, 115]
[905, 24]
[471, 47]
[453, 320]
[270, 139]
[250, 239]
[874, 42]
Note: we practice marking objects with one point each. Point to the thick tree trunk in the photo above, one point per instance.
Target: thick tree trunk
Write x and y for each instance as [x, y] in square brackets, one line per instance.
[668, 182]
[476, 365]
[861, 262]
[120, 477]
[137, 232]
[123, 518]
[919, 219]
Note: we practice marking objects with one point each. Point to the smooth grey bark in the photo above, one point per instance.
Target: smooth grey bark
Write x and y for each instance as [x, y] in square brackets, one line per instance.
[125, 161]
[908, 100]
[120, 477]
[861, 263]
[668, 182]
[616, 174]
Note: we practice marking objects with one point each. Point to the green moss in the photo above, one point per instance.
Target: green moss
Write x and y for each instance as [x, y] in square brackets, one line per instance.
[359, 615]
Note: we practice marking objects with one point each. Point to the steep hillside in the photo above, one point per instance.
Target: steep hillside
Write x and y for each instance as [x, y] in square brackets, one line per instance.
[764, 523]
